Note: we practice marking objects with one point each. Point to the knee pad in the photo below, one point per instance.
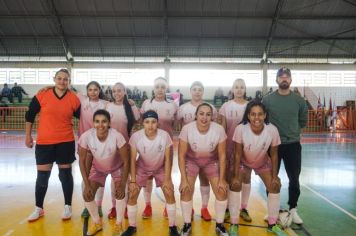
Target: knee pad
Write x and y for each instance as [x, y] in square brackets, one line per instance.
[42, 178]
[65, 174]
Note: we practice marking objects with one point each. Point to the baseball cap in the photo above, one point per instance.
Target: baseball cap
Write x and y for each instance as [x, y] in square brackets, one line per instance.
[282, 71]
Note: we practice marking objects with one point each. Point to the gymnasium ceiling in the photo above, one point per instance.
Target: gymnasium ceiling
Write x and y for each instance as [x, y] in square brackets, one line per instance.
[260, 29]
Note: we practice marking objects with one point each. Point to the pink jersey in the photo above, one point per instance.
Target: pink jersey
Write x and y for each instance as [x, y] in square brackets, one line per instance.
[202, 145]
[151, 152]
[255, 147]
[106, 156]
[119, 119]
[87, 110]
[186, 112]
[166, 113]
[233, 113]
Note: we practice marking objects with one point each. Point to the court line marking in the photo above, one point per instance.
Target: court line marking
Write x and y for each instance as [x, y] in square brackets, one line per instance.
[8, 233]
[329, 201]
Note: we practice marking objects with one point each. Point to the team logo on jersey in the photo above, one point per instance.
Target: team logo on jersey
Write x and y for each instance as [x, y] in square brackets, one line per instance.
[188, 117]
[160, 148]
[263, 145]
[168, 112]
[212, 146]
[194, 146]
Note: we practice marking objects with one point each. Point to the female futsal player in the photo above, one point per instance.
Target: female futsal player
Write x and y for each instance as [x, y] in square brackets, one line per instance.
[186, 114]
[55, 139]
[167, 114]
[110, 156]
[256, 147]
[202, 146]
[152, 145]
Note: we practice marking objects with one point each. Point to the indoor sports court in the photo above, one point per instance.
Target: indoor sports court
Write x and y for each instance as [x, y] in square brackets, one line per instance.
[134, 43]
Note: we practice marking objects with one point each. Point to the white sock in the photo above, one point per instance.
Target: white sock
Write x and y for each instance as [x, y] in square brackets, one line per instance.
[234, 203]
[273, 202]
[120, 210]
[132, 213]
[93, 211]
[171, 211]
[99, 196]
[245, 195]
[148, 191]
[205, 194]
[113, 197]
[187, 211]
[220, 208]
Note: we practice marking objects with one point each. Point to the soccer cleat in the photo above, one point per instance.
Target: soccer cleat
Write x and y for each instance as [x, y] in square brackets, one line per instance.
[276, 230]
[295, 217]
[227, 216]
[187, 229]
[173, 231]
[100, 211]
[245, 216]
[94, 228]
[220, 229]
[147, 213]
[36, 214]
[112, 213]
[85, 213]
[118, 230]
[205, 214]
[131, 230]
[67, 213]
[234, 230]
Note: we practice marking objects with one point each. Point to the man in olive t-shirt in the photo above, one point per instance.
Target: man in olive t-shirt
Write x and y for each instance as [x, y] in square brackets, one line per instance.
[289, 113]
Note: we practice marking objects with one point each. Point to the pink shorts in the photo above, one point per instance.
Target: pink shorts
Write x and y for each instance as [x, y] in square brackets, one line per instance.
[143, 175]
[209, 165]
[100, 177]
[265, 167]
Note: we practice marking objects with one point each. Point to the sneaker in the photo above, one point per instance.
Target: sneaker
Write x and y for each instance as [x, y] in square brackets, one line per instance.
[112, 213]
[100, 211]
[276, 230]
[125, 214]
[173, 231]
[205, 214]
[38, 213]
[147, 213]
[187, 229]
[165, 214]
[295, 217]
[227, 216]
[94, 228]
[220, 229]
[131, 230]
[234, 230]
[67, 213]
[85, 213]
[245, 216]
[118, 229]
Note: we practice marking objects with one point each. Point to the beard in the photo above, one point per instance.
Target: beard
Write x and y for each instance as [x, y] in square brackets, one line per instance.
[283, 85]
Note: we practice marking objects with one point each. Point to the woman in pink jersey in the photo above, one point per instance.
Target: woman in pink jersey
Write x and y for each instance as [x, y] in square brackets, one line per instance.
[256, 147]
[167, 115]
[231, 114]
[152, 145]
[202, 146]
[186, 114]
[90, 103]
[124, 114]
[110, 156]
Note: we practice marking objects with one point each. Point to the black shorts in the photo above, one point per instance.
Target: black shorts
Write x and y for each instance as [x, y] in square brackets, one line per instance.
[61, 153]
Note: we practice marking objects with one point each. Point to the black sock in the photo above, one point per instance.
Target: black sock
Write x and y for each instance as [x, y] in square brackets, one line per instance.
[66, 178]
[41, 186]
